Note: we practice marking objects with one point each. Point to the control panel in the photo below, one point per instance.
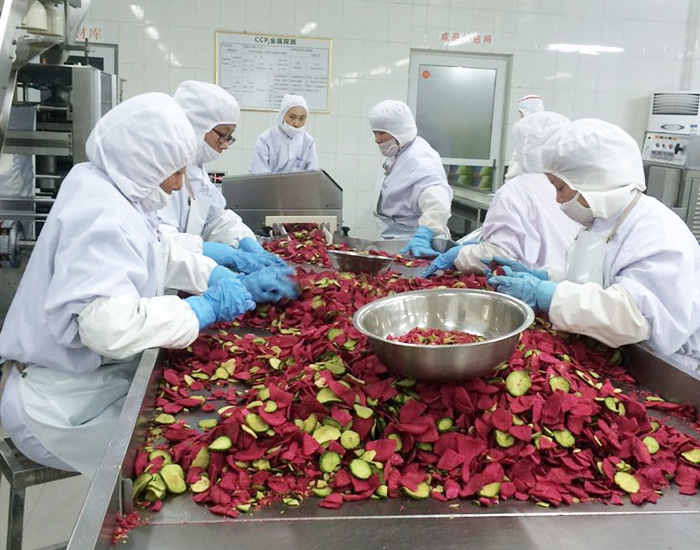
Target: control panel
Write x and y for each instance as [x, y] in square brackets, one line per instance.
[663, 148]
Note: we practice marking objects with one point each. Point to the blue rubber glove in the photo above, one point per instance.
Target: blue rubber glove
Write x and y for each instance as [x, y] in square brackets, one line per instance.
[251, 245]
[220, 273]
[271, 284]
[224, 301]
[526, 287]
[420, 244]
[446, 260]
[225, 254]
[517, 267]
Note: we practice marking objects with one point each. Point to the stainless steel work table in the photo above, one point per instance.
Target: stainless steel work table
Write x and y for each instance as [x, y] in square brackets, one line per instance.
[672, 523]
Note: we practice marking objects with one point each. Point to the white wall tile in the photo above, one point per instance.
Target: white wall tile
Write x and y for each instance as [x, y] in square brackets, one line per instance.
[131, 42]
[108, 11]
[233, 14]
[156, 45]
[283, 19]
[349, 129]
[347, 97]
[157, 79]
[330, 18]
[347, 169]
[158, 12]
[377, 22]
[419, 14]
[354, 17]
[440, 18]
[258, 16]
[504, 22]
[373, 91]
[462, 19]
[325, 133]
[207, 14]
[400, 21]
[132, 74]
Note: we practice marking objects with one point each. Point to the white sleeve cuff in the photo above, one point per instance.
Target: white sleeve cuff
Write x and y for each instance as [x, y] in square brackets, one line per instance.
[435, 206]
[606, 314]
[469, 257]
[122, 326]
[227, 228]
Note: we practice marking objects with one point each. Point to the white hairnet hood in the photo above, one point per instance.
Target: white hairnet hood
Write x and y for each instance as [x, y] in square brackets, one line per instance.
[141, 142]
[530, 104]
[529, 136]
[206, 106]
[395, 118]
[289, 101]
[598, 159]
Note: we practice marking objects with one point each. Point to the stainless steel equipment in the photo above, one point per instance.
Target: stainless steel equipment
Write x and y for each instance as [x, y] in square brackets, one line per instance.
[357, 262]
[297, 196]
[497, 317]
[667, 179]
[674, 522]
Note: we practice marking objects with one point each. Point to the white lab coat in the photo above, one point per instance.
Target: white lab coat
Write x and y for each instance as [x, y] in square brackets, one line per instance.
[415, 192]
[89, 302]
[204, 214]
[651, 267]
[524, 222]
[653, 256]
[210, 220]
[276, 152]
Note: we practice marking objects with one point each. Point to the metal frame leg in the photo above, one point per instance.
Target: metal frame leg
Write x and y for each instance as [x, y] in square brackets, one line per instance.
[15, 519]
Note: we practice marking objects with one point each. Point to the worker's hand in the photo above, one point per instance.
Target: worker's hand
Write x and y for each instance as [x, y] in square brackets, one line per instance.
[225, 254]
[517, 267]
[420, 244]
[249, 244]
[533, 291]
[223, 301]
[446, 260]
[271, 284]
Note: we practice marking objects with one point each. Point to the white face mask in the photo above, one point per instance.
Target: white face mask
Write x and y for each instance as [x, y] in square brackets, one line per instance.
[576, 211]
[290, 130]
[206, 153]
[156, 200]
[389, 148]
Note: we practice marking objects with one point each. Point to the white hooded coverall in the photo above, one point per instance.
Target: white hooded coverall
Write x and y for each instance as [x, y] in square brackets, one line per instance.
[412, 188]
[205, 215]
[91, 299]
[524, 221]
[277, 152]
[527, 105]
[651, 266]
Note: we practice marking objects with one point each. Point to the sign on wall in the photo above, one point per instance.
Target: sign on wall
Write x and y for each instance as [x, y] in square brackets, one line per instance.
[258, 69]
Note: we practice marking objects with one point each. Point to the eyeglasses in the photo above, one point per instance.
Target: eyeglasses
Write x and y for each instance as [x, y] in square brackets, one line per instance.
[224, 139]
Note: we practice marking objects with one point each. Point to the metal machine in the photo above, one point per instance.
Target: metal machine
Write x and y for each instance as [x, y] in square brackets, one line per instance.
[263, 200]
[664, 153]
[47, 112]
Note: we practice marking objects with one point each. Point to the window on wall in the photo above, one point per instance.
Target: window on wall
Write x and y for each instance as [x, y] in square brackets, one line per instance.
[458, 101]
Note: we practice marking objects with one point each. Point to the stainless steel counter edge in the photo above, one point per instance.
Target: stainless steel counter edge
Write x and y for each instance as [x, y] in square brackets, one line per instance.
[97, 518]
[96, 522]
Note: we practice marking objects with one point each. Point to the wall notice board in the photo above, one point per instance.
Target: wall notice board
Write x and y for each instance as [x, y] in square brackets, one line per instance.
[258, 69]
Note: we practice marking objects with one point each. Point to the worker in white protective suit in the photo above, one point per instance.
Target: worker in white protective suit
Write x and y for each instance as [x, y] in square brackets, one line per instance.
[91, 299]
[198, 212]
[524, 222]
[626, 268]
[412, 197]
[527, 105]
[287, 146]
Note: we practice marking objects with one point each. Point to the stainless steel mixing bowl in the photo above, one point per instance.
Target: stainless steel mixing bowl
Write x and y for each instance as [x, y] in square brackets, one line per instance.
[356, 262]
[497, 317]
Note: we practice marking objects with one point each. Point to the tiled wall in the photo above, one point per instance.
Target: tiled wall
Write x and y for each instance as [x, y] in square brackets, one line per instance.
[162, 42]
